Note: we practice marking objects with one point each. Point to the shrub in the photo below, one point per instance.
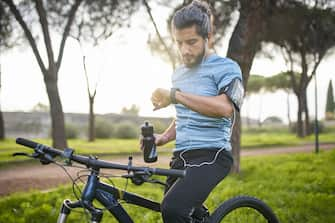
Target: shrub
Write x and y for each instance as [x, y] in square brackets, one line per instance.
[311, 127]
[126, 130]
[273, 120]
[71, 131]
[103, 129]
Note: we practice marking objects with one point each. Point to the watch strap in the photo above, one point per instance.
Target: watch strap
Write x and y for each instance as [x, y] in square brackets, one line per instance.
[173, 95]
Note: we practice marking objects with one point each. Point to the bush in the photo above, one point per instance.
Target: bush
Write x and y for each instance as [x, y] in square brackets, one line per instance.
[103, 129]
[273, 120]
[311, 127]
[71, 131]
[126, 130]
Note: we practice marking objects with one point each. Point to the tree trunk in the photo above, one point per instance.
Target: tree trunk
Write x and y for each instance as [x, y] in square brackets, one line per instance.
[288, 111]
[299, 127]
[306, 121]
[236, 142]
[56, 111]
[243, 45]
[91, 134]
[302, 115]
[2, 127]
[2, 123]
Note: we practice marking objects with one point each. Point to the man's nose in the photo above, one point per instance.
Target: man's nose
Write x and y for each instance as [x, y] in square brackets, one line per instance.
[184, 49]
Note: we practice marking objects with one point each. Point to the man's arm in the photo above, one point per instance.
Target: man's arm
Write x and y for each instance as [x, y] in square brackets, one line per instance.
[168, 135]
[213, 106]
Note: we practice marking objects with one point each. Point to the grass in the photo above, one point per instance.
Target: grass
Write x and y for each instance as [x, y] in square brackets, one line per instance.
[299, 188]
[101, 147]
[263, 138]
[107, 147]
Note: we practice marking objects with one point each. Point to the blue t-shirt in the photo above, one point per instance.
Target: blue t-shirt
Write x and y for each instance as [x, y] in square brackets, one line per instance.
[194, 130]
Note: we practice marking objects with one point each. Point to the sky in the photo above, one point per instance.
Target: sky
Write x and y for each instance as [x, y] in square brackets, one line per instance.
[126, 73]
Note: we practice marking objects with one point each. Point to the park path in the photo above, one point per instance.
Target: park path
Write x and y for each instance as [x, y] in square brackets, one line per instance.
[28, 176]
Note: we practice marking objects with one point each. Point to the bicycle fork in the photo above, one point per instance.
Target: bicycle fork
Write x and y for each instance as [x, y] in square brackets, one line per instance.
[96, 214]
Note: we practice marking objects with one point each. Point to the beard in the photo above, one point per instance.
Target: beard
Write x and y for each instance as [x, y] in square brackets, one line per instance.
[193, 60]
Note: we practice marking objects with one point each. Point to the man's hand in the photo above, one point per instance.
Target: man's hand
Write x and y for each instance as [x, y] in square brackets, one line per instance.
[160, 98]
[160, 140]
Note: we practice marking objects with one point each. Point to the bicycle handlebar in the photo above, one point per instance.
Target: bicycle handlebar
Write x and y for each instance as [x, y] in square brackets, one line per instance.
[94, 163]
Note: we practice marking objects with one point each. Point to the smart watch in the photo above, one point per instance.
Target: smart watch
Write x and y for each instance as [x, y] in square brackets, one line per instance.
[173, 95]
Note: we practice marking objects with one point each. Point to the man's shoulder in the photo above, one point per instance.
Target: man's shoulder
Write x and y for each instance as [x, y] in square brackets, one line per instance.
[224, 64]
[223, 61]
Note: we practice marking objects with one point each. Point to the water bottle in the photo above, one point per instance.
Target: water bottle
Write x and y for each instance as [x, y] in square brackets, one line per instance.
[149, 146]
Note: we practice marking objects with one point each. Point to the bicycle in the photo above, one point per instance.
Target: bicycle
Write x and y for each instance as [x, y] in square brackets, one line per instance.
[232, 210]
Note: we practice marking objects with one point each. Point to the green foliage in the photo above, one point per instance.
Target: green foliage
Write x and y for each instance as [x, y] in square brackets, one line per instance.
[273, 120]
[260, 138]
[33, 126]
[126, 130]
[133, 110]
[279, 81]
[103, 129]
[40, 107]
[299, 188]
[71, 131]
[255, 84]
[311, 129]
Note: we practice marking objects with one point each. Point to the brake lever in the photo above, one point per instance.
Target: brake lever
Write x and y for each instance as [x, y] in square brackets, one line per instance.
[44, 158]
[21, 154]
[34, 155]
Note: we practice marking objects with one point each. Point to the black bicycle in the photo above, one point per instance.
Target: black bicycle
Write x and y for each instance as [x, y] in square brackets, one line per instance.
[237, 209]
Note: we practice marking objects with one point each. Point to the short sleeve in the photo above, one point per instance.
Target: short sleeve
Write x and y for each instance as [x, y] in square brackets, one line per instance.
[228, 78]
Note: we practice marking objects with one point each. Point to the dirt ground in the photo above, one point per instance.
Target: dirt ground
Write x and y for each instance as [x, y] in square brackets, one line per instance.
[29, 176]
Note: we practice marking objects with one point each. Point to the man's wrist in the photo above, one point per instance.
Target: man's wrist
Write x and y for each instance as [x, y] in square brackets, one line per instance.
[173, 95]
[166, 138]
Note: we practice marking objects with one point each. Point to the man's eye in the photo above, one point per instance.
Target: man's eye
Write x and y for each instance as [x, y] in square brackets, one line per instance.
[192, 42]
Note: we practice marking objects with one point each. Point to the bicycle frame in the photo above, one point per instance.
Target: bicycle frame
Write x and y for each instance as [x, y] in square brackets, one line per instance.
[108, 196]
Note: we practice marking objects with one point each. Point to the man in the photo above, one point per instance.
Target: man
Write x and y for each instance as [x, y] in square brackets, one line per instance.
[207, 90]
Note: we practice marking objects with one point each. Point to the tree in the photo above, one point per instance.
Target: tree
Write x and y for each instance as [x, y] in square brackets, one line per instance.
[5, 29]
[89, 20]
[330, 104]
[305, 34]
[91, 97]
[2, 123]
[40, 107]
[281, 81]
[133, 110]
[243, 46]
[255, 85]
[162, 42]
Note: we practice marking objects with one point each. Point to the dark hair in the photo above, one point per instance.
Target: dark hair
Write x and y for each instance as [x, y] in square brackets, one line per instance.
[197, 13]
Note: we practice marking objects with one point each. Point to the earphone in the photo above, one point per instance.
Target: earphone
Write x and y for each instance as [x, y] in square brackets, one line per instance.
[205, 49]
[206, 45]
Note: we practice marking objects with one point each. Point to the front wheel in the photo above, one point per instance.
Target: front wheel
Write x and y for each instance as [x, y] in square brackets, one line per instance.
[243, 209]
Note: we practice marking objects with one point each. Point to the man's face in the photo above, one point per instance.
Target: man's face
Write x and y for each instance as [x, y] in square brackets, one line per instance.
[190, 44]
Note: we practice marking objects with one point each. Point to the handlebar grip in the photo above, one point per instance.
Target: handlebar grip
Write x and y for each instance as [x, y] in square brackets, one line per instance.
[170, 172]
[26, 142]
